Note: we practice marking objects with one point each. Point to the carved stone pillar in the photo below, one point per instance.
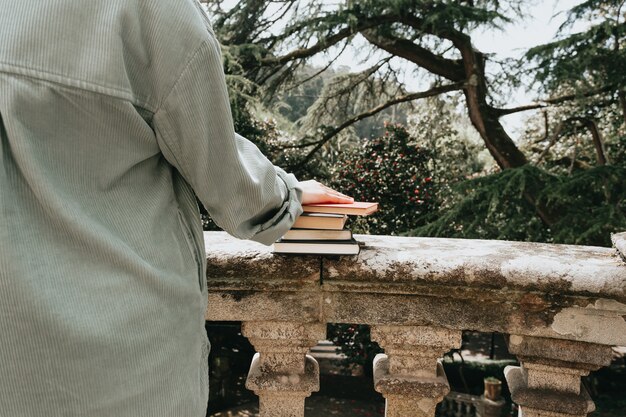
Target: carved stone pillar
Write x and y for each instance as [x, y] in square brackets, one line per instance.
[281, 373]
[409, 375]
[548, 382]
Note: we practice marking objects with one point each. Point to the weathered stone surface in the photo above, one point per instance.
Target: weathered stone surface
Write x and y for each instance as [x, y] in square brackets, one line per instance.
[485, 264]
[409, 396]
[242, 265]
[564, 306]
[480, 264]
[294, 384]
[276, 404]
[530, 314]
[549, 379]
[603, 321]
[409, 375]
[245, 305]
[414, 350]
[281, 374]
[565, 353]
[619, 242]
[555, 291]
[539, 402]
[385, 382]
[283, 345]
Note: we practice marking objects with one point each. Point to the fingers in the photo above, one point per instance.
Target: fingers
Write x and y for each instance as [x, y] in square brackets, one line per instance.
[342, 199]
[314, 192]
[336, 196]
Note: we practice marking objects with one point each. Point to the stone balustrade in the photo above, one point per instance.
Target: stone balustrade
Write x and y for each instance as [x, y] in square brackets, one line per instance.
[562, 307]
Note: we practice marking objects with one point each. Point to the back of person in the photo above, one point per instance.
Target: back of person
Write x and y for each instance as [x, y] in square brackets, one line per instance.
[102, 288]
[94, 313]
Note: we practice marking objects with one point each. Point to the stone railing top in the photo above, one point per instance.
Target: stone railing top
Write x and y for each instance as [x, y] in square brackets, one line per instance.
[485, 264]
[392, 263]
[558, 291]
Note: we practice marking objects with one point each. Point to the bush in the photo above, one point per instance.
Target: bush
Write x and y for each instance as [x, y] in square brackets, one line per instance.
[393, 171]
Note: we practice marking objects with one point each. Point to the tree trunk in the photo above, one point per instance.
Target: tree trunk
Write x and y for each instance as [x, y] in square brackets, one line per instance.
[470, 70]
[598, 144]
[485, 118]
[622, 100]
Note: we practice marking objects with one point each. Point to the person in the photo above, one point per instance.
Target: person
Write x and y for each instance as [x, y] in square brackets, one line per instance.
[114, 116]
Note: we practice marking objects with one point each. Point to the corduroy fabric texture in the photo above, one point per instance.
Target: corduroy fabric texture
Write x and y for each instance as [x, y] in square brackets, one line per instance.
[112, 114]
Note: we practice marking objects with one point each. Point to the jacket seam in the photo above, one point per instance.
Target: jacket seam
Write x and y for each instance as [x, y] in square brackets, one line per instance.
[76, 83]
[180, 76]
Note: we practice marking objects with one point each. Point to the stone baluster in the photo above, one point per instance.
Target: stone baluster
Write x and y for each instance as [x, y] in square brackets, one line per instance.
[547, 384]
[409, 375]
[281, 373]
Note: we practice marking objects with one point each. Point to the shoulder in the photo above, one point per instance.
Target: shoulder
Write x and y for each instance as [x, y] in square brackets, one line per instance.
[175, 24]
[162, 37]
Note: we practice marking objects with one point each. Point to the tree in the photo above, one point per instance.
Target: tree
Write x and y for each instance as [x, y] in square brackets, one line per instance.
[431, 35]
[591, 203]
[589, 61]
[589, 66]
[430, 39]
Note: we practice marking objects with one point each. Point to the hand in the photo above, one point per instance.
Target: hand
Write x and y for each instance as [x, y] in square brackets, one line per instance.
[315, 193]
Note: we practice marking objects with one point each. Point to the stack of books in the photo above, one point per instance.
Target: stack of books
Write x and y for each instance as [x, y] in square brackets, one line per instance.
[320, 230]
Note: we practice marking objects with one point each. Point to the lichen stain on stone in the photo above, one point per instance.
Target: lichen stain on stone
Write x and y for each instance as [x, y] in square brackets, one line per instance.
[555, 286]
[487, 276]
[532, 303]
[236, 296]
[263, 268]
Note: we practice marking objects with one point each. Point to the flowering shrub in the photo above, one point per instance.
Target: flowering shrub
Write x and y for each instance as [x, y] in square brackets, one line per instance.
[393, 171]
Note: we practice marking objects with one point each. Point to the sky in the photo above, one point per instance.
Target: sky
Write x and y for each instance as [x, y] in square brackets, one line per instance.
[540, 27]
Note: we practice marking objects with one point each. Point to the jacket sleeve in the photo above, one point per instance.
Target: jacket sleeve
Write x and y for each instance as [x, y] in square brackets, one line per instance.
[243, 192]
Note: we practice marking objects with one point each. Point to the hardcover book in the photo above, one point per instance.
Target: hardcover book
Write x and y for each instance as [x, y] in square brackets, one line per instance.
[346, 247]
[315, 234]
[357, 208]
[320, 221]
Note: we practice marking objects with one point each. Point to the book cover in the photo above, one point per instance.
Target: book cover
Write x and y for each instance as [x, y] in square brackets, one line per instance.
[327, 247]
[359, 208]
[320, 221]
[317, 234]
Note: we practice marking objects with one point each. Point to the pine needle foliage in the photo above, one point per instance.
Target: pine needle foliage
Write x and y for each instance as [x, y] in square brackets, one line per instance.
[591, 205]
[594, 58]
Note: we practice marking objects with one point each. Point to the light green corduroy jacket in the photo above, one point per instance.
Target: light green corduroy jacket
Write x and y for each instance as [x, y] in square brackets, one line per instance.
[111, 113]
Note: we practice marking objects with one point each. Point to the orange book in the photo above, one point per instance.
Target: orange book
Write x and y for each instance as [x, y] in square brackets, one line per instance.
[358, 208]
[325, 221]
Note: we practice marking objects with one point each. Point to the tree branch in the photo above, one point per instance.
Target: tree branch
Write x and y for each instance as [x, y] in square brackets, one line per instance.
[329, 41]
[555, 100]
[458, 38]
[447, 68]
[307, 52]
[316, 73]
[526, 107]
[590, 124]
[409, 97]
